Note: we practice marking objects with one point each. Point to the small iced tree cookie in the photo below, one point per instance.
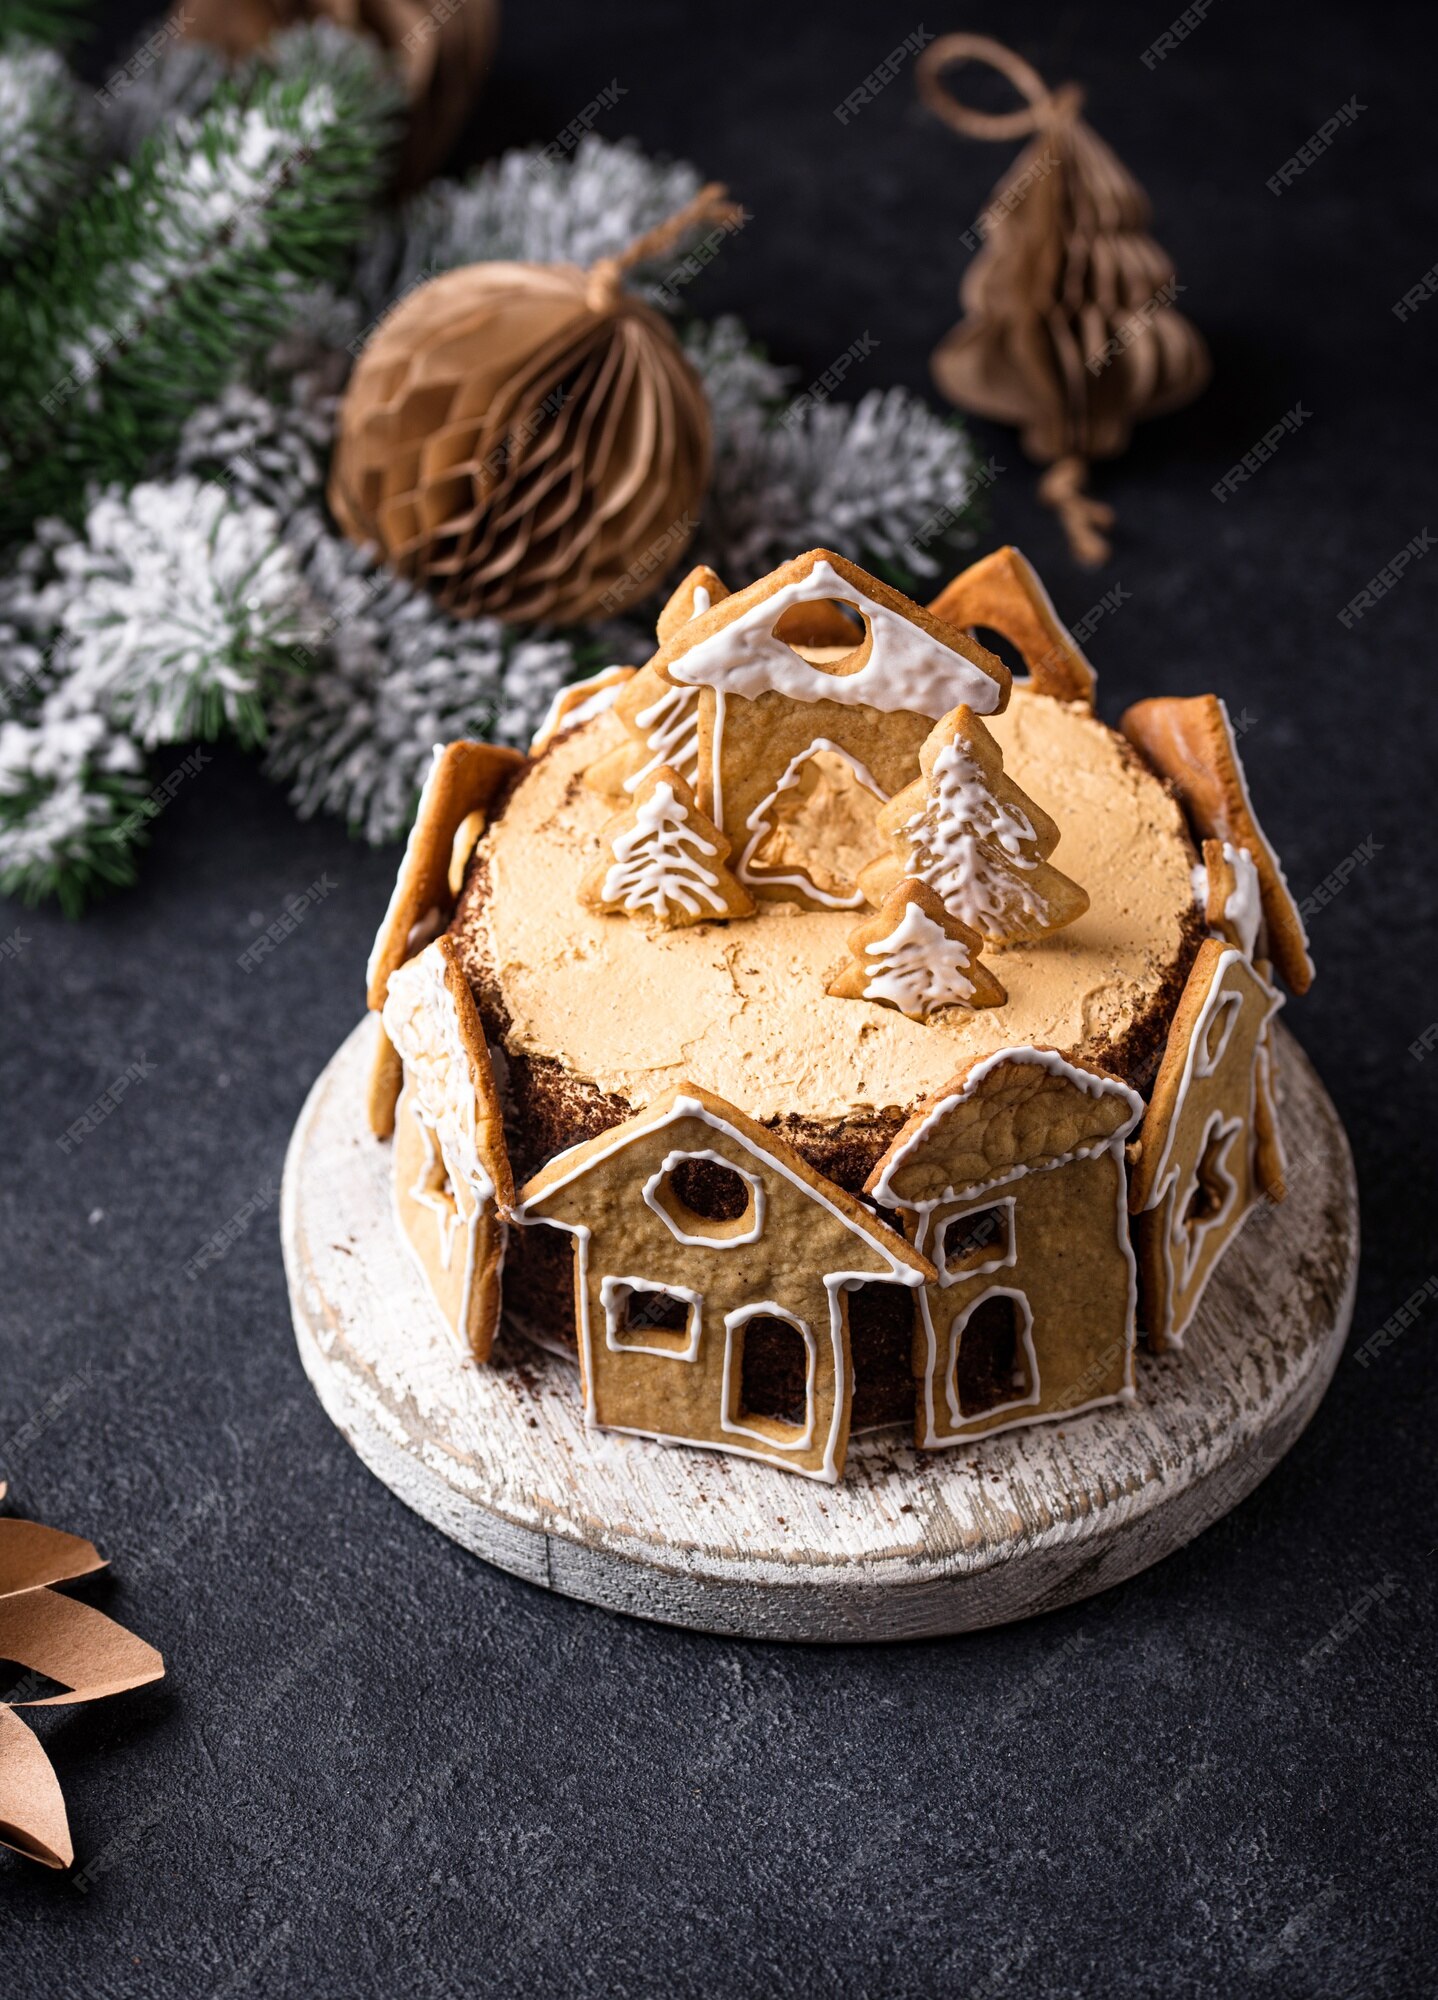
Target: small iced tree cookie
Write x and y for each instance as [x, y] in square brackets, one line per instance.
[917, 958]
[1002, 594]
[464, 779]
[712, 1272]
[972, 836]
[661, 722]
[665, 862]
[452, 1180]
[1197, 1174]
[1011, 1182]
[1191, 743]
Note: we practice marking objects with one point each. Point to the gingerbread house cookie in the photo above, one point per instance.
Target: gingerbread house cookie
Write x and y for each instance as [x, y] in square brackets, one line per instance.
[452, 1181]
[712, 1272]
[1011, 1181]
[1002, 594]
[1199, 1172]
[1191, 742]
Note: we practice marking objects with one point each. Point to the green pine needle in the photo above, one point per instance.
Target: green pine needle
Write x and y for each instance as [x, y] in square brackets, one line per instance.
[180, 266]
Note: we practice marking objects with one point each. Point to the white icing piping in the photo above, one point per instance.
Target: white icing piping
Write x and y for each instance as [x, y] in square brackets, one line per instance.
[579, 702]
[920, 966]
[671, 726]
[613, 1292]
[955, 1336]
[1004, 1262]
[907, 667]
[972, 850]
[759, 826]
[728, 1419]
[1192, 1056]
[933, 1437]
[690, 1107]
[756, 1200]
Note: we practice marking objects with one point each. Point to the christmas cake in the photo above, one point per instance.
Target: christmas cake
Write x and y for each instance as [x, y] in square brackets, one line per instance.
[824, 1028]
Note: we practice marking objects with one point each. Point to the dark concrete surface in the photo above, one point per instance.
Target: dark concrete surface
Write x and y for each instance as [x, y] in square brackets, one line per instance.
[378, 1767]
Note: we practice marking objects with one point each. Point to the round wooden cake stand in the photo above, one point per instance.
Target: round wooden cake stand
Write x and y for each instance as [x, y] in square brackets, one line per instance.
[909, 1544]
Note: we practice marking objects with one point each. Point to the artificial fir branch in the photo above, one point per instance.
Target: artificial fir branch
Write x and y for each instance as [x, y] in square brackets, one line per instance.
[46, 140]
[176, 268]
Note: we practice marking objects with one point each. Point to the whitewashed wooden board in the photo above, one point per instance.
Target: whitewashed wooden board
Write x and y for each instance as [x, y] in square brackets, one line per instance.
[910, 1544]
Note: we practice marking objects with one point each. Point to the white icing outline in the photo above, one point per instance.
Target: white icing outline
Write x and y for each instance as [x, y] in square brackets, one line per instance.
[756, 1200]
[673, 738]
[760, 828]
[955, 1336]
[907, 668]
[610, 1290]
[835, 1282]
[1190, 1239]
[940, 1229]
[935, 972]
[728, 1422]
[577, 702]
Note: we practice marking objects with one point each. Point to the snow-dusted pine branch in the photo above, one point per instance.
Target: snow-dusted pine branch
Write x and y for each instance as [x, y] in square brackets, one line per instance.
[46, 140]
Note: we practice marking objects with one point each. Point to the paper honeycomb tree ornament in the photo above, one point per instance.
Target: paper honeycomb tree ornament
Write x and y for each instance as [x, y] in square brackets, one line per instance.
[913, 956]
[971, 835]
[528, 440]
[1070, 331]
[665, 863]
[443, 53]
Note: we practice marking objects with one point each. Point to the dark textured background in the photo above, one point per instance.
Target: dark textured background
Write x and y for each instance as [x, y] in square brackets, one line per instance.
[380, 1767]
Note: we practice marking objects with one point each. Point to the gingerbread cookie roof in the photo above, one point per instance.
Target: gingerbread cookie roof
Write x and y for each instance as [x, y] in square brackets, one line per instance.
[907, 659]
[1013, 1111]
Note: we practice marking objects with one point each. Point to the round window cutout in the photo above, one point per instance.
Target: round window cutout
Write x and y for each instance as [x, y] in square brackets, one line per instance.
[826, 633]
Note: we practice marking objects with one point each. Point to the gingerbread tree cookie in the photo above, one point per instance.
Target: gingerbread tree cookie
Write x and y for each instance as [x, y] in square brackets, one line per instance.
[661, 721]
[666, 862]
[915, 957]
[973, 837]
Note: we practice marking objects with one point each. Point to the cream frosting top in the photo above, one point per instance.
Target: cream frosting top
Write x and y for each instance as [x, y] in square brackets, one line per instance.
[740, 1008]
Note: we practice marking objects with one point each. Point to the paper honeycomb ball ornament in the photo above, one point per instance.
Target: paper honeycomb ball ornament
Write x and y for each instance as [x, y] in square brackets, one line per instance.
[1070, 330]
[442, 52]
[528, 440]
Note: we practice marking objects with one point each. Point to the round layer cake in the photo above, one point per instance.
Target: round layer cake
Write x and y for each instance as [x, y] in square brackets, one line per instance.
[594, 1016]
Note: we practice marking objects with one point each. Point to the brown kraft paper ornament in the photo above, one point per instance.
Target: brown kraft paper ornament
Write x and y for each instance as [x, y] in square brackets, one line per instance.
[528, 439]
[443, 52]
[1070, 330]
